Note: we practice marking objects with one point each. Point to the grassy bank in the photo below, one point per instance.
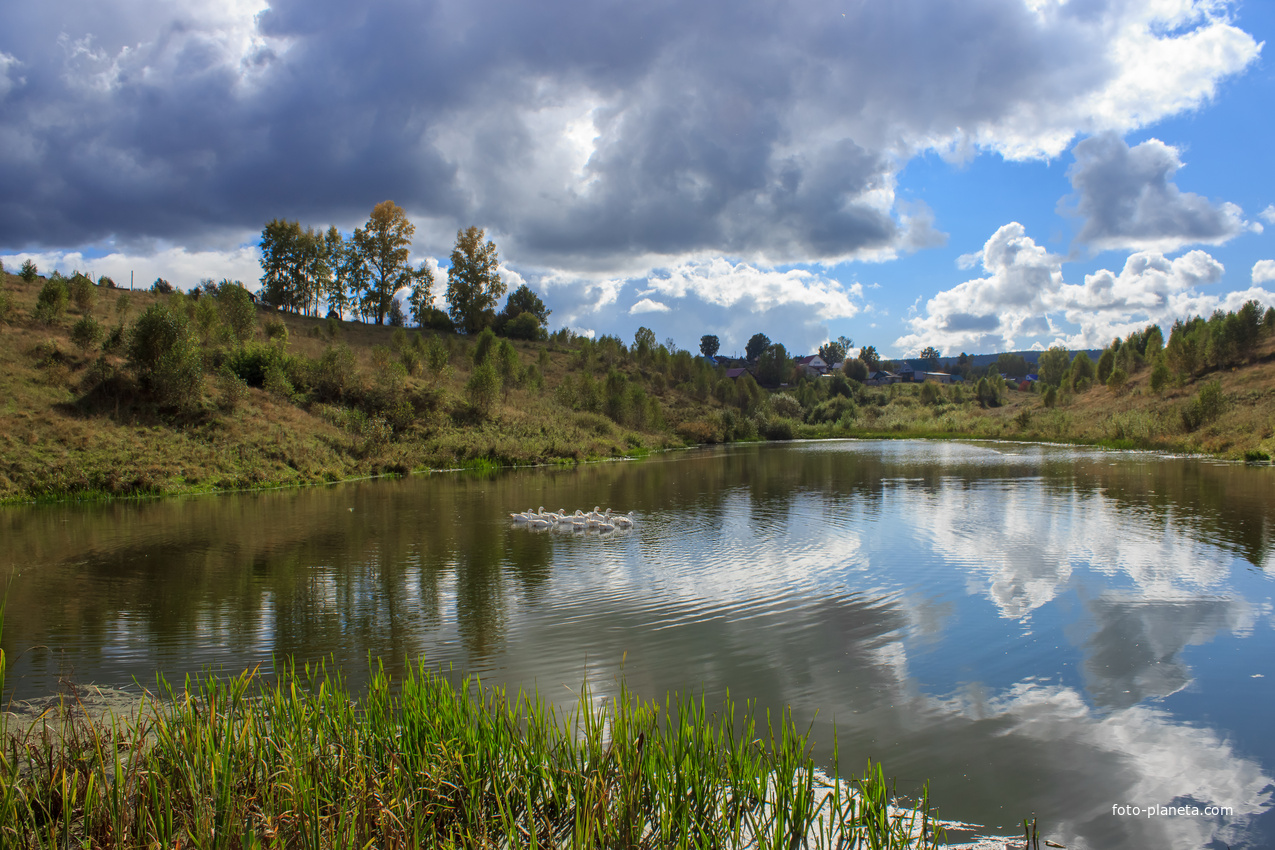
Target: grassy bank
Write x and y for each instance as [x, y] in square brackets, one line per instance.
[301, 762]
[243, 400]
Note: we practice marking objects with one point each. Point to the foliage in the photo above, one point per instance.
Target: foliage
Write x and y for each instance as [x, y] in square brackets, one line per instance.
[1052, 365]
[29, 271]
[163, 355]
[333, 374]
[238, 312]
[483, 387]
[930, 393]
[855, 369]
[1117, 380]
[421, 296]
[83, 292]
[162, 287]
[1204, 407]
[524, 317]
[774, 365]
[473, 281]
[484, 346]
[834, 351]
[868, 354]
[1160, 374]
[1013, 365]
[989, 391]
[931, 356]
[382, 248]
[757, 343]
[277, 331]
[644, 344]
[1050, 398]
[833, 410]
[1106, 364]
[1082, 372]
[709, 345]
[785, 406]
[86, 333]
[50, 304]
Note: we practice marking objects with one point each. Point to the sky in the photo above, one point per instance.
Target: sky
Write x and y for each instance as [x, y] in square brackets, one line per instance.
[975, 175]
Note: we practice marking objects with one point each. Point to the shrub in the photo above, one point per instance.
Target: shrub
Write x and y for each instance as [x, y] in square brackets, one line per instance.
[50, 304]
[1051, 397]
[785, 406]
[277, 384]
[86, 333]
[1117, 380]
[165, 358]
[1106, 363]
[29, 271]
[483, 387]
[277, 331]
[106, 282]
[1206, 406]
[232, 388]
[238, 313]
[777, 428]
[162, 287]
[122, 304]
[507, 363]
[832, 410]
[252, 362]
[930, 393]
[332, 375]
[83, 293]
[1159, 375]
[855, 369]
[486, 341]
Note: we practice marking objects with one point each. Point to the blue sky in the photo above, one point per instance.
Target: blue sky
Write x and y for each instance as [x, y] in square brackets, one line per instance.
[981, 175]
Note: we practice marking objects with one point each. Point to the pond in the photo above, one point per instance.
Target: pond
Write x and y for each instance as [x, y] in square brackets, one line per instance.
[1036, 630]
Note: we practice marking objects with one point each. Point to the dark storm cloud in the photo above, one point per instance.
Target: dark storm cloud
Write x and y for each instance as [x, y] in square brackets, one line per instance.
[1128, 200]
[581, 133]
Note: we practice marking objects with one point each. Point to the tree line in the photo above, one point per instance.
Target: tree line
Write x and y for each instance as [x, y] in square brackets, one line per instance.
[305, 271]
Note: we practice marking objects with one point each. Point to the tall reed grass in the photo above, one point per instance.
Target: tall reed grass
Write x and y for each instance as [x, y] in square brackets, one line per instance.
[300, 762]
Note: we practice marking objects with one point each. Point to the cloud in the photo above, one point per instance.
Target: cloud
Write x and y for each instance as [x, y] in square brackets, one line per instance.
[180, 266]
[588, 138]
[733, 300]
[1268, 215]
[1128, 200]
[1024, 301]
[1263, 271]
[646, 305]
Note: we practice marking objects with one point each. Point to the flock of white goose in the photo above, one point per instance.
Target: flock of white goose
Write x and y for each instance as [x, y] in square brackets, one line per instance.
[596, 520]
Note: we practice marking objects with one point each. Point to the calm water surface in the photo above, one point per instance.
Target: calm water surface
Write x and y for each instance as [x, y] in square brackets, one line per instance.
[1034, 629]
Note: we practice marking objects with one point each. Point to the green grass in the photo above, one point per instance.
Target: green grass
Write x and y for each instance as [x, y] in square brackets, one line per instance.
[299, 761]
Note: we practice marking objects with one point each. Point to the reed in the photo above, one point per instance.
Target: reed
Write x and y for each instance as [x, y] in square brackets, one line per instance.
[298, 761]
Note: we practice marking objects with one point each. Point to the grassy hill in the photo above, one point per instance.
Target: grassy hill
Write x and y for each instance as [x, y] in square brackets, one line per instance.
[302, 400]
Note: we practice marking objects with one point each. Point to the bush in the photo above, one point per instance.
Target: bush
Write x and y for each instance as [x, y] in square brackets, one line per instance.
[86, 333]
[508, 364]
[83, 293]
[483, 387]
[777, 428]
[277, 331]
[232, 388]
[785, 406]
[1117, 380]
[1206, 406]
[832, 410]
[50, 304]
[332, 375]
[106, 282]
[1051, 397]
[486, 341]
[252, 362]
[1159, 375]
[238, 313]
[29, 271]
[162, 287]
[930, 393]
[855, 369]
[165, 358]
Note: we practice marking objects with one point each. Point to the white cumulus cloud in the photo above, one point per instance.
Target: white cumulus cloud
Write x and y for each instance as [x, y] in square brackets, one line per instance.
[1263, 271]
[1023, 301]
